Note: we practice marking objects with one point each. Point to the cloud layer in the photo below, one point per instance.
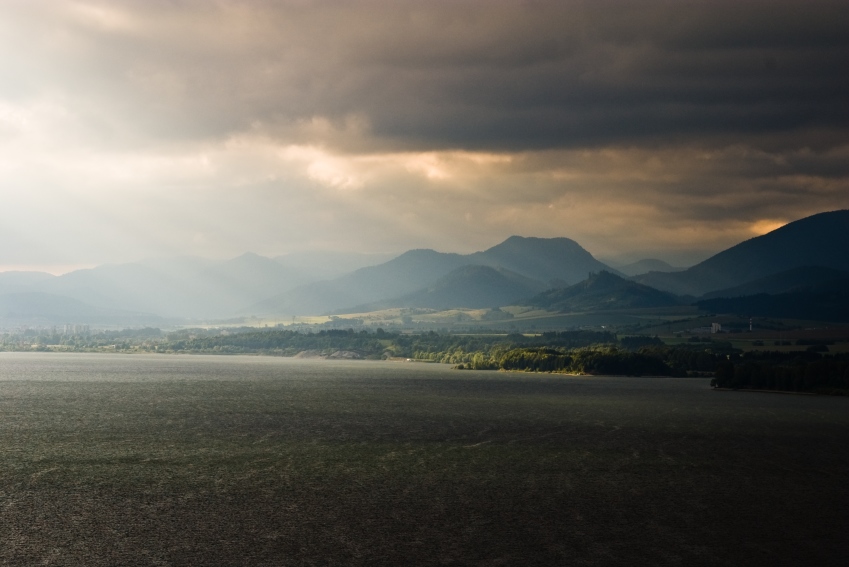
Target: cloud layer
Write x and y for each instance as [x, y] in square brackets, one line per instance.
[133, 128]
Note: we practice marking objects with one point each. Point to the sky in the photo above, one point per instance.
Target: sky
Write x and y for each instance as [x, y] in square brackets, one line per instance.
[659, 128]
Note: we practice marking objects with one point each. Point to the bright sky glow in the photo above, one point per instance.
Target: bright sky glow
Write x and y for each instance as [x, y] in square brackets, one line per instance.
[131, 129]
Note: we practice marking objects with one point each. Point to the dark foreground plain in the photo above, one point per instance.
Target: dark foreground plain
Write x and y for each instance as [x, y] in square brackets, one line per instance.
[180, 460]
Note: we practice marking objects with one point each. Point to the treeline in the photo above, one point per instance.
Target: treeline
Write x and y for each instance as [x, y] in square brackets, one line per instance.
[430, 346]
[580, 351]
[599, 359]
[802, 371]
[279, 342]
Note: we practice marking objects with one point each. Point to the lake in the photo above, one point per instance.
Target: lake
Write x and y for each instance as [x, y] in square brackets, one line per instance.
[204, 460]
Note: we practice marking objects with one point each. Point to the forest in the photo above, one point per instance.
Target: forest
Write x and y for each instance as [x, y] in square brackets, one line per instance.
[799, 371]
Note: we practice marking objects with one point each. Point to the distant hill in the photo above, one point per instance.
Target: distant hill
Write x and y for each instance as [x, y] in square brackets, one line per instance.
[402, 275]
[818, 240]
[826, 301]
[783, 282]
[473, 287]
[544, 259]
[325, 265]
[249, 278]
[602, 291]
[203, 289]
[547, 260]
[176, 287]
[648, 265]
[36, 308]
[18, 282]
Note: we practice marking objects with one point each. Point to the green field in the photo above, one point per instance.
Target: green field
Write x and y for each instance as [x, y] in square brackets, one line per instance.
[178, 460]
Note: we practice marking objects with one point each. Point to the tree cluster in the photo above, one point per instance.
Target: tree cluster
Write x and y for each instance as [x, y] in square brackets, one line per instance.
[802, 371]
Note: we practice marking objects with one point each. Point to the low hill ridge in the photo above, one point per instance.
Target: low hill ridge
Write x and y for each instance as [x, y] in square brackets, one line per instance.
[647, 265]
[600, 292]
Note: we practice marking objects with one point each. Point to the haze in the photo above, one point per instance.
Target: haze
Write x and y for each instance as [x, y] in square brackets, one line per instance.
[134, 129]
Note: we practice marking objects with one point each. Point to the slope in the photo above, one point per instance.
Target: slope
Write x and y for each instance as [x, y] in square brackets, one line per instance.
[551, 260]
[473, 287]
[600, 292]
[818, 240]
[825, 301]
[402, 275]
[782, 282]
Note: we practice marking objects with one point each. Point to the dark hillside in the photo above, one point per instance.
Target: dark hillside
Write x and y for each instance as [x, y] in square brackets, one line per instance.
[828, 301]
[818, 240]
[783, 282]
[602, 291]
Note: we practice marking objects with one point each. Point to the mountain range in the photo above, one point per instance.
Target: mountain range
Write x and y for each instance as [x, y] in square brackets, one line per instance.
[551, 273]
[183, 288]
[551, 262]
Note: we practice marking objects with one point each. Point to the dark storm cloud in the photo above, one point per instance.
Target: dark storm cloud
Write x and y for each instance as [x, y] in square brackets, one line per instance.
[639, 72]
[381, 125]
[474, 75]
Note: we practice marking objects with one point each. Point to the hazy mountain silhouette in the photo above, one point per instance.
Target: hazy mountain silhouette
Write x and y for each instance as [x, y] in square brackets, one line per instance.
[187, 287]
[325, 265]
[797, 279]
[194, 288]
[546, 260]
[20, 282]
[818, 240]
[473, 287]
[402, 275]
[600, 292]
[648, 265]
[177, 287]
[250, 278]
[37, 308]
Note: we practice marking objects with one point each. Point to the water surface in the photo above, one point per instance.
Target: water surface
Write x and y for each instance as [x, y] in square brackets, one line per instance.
[215, 460]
